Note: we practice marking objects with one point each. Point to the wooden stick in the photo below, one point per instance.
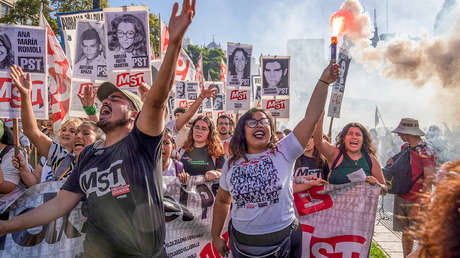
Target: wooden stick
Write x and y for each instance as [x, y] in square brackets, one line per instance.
[329, 134]
[16, 135]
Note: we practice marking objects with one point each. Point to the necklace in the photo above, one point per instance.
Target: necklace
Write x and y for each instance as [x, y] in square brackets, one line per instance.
[356, 162]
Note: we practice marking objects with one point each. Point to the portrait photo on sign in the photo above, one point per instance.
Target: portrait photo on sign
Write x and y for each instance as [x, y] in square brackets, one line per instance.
[256, 87]
[24, 46]
[127, 39]
[180, 90]
[275, 76]
[239, 64]
[218, 102]
[90, 61]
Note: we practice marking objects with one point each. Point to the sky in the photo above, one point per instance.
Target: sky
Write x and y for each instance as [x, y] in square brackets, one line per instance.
[269, 24]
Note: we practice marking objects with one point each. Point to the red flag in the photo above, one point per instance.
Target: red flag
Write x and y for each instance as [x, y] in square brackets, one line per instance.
[164, 39]
[59, 77]
[199, 69]
[223, 71]
[185, 70]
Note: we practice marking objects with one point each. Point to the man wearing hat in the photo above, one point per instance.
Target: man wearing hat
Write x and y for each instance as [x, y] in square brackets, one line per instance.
[120, 179]
[423, 160]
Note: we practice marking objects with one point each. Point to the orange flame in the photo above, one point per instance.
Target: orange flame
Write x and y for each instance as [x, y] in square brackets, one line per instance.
[341, 21]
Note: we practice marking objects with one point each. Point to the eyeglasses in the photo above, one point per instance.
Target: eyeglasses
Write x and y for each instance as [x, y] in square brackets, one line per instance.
[251, 123]
[129, 34]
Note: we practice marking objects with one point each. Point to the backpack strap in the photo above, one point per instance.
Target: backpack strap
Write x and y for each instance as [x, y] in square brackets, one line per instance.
[336, 160]
[5, 151]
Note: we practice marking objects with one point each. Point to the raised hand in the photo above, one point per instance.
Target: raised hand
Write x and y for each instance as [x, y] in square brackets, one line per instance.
[178, 24]
[88, 97]
[143, 90]
[21, 80]
[207, 93]
[331, 73]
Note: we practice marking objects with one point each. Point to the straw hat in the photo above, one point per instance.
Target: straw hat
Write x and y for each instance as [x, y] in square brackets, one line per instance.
[409, 126]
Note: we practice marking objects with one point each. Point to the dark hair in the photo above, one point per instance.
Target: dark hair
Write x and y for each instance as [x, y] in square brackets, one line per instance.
[287, 131]
[169, 133]
[247, 67]
[214, 145]
[283, 64]
[367, 147]
[138, 48]
[90, 34]
[238, 144]
[225, 117]
[439, 218]
[7, 137]
[179, 110]
[9, 58]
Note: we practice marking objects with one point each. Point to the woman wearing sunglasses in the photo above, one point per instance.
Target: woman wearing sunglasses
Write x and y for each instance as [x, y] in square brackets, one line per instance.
[257, 182]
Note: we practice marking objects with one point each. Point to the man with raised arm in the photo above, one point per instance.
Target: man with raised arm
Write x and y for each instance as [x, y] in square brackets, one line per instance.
[120, 179]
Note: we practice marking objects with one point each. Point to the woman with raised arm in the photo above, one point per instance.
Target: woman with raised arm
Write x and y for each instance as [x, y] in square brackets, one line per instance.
[352, 157]
[257, 182]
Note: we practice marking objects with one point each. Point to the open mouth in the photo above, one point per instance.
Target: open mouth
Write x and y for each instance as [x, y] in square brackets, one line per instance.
[79, 145]
[353, 143]
[106, 110]
[259, 134]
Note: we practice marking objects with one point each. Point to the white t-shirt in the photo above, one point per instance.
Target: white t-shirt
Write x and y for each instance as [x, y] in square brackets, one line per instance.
[10, 173]
[179, 136]
[171, 169]
[226, 140]
[261, 189]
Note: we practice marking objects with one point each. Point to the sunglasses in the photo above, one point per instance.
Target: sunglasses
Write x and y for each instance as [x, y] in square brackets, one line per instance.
[251, 123]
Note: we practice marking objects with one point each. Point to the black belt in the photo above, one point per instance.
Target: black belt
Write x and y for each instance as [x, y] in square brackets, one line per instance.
[264, 239]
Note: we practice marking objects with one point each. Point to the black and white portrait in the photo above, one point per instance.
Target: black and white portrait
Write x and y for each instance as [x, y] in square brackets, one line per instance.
[6, 52]
[256, 87]
[90, 62]
[180, 90]
[218, 102]
[275, 73]
[207, 103]
[127, 39]
[191, 95]
[239, 64]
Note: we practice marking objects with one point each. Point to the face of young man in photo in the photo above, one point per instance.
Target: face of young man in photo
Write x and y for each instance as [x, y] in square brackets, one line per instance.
[273, 73]
[91, 48]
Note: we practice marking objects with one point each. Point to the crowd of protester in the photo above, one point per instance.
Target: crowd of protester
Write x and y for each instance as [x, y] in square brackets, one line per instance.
[223, 149]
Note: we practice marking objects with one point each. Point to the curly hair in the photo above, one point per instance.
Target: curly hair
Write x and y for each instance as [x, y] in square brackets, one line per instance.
[438, 233]
[368, 145]
[138, 48]
[238, 144]
[9, 58]
[215, 148]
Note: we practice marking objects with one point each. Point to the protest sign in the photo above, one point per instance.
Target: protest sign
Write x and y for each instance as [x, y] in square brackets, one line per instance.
[62, 237]
[90, 62]
[239, 64]
[185, 70]
[278, 108]
[338, 87]
[337, 220]
[10, 98]
[127, 32]
[256, 87]
[131, 80]
[275, 74]
[238, 99]
[67, 23]
[78, 88]
[181, 90]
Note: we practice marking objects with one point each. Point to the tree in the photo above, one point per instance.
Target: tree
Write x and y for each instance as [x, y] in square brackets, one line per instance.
[154, 24]
[27, 12]
[211, 59]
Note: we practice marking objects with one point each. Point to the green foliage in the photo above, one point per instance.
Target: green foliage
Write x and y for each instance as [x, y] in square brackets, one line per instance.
[211, 59]
[154, 24]
[376, 252]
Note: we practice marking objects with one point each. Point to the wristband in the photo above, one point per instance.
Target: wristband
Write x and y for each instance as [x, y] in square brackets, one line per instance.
[92, 110]
[324, 82]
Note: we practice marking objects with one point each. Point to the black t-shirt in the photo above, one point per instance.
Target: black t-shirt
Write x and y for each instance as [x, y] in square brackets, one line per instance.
[306, 166]
[198, 161]
[121, 185]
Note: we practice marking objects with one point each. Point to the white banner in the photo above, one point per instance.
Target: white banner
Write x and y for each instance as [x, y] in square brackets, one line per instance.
[68, 27]
[279, 108]
[337, 220]
[128, 40]
[238, 99]
[338, 88]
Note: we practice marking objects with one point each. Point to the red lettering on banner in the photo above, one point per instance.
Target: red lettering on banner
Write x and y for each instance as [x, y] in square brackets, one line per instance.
[345, 246]
[83, 86]
[13, 96]
[131, 80]
[238, 95]
[304, 204]
[276, 104]
[185, 103]
[182, 68]
[210, 251]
